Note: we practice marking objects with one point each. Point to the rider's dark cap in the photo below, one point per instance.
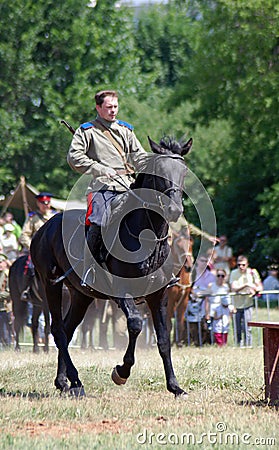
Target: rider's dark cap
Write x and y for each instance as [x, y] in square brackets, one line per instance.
[44, 197]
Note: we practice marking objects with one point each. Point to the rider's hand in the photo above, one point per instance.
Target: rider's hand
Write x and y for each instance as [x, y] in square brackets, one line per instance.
[111, 173]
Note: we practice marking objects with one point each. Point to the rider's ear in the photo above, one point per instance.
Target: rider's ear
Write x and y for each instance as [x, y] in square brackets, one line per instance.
[155, 147]
[187, 147]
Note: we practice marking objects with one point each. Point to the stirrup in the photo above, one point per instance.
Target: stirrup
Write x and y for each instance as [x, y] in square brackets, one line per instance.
[25, 294]
[83, 282]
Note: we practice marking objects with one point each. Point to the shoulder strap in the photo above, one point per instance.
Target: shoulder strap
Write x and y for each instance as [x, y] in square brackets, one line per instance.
[118, 147]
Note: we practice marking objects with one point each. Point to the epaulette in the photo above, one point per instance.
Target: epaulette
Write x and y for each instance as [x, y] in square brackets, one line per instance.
[32, 213]
[87, 125]
[125, 124]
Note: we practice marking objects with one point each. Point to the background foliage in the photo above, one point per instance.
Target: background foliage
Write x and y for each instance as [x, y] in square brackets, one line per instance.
[208, 69]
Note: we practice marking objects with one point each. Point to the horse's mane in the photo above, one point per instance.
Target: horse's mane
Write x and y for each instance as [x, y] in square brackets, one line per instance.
[168, 143]
[172, 145]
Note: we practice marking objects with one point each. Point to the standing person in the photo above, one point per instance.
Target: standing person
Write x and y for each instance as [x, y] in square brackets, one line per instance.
[9, 218]
[107, 149]
[9, 242]
[5, 299]
[36, 219]
[271, 283]
[221, 321]
[223, 255]
[246, 283]
[33, 223]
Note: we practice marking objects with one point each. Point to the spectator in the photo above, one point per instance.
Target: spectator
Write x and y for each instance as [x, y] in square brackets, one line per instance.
[36, 219]
[223, 255]
[216, 290]
[221, 322]
[9, 218]
[197, 331]
[203, 275]
[246, 283]
[5, 299]
[9, 242]
[2, 223]
[33, 223]
[195, 313]
[271, 283]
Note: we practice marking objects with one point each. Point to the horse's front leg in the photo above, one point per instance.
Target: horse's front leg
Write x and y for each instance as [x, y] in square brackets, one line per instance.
[134, 324]
[158, 305]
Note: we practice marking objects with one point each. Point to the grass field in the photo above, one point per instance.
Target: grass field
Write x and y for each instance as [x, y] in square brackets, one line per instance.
[224, 409]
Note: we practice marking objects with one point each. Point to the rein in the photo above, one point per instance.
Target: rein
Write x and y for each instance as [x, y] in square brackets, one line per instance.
[156, 239]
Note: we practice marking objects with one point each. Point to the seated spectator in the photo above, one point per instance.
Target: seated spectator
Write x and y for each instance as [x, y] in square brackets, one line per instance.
[221, 322]
[195, 313]
[195, 322]
[271, 283]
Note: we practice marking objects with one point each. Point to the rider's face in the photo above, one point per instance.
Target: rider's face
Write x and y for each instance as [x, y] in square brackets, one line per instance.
[43, 207]
[109, 108]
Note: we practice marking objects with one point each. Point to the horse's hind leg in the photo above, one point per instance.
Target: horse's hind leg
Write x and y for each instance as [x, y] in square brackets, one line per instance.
[180, 317]
[63, 331]
[158, 305]
[35, 327]
[134, 324]
[66, 368]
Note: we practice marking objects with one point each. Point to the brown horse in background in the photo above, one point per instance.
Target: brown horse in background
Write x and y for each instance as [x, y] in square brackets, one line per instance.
[178, 295]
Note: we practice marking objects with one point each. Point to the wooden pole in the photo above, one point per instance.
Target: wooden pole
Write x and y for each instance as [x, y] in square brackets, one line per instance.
[24, 198]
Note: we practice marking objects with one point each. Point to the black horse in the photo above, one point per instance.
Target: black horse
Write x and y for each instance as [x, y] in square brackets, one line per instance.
[19, 278]
[140, 269]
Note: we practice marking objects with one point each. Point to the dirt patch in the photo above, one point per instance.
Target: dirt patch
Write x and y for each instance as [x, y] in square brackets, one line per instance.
[64, 428]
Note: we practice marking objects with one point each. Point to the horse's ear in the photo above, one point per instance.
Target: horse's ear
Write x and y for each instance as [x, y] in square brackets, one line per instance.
[187, 147]
[154, 147]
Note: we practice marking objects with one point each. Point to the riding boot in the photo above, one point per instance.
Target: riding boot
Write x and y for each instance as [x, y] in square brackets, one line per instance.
[91, 248]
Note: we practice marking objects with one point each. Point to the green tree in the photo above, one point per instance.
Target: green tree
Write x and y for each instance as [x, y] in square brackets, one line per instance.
[54, 55]
[233, 77]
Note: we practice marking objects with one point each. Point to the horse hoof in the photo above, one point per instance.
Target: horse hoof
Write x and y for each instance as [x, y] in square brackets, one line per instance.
[182, 396]
[77, 392]
[116, 378]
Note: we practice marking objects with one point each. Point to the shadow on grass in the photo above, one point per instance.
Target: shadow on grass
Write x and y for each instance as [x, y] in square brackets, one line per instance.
[260, 403]
[40, 395]
[19, 394]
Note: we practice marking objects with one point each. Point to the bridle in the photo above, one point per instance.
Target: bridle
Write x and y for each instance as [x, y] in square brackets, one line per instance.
[147, 205]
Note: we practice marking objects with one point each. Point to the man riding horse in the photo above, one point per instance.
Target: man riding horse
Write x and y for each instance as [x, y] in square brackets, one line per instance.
[107, 149]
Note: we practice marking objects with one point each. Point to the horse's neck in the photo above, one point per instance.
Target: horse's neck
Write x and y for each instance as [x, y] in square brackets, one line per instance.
[148, 219]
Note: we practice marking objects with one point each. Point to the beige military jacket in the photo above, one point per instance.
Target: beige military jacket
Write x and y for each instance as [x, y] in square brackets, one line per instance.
[32, 224]
[92, 153]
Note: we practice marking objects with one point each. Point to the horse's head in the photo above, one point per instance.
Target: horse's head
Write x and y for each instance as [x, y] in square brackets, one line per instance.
[165, 174]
